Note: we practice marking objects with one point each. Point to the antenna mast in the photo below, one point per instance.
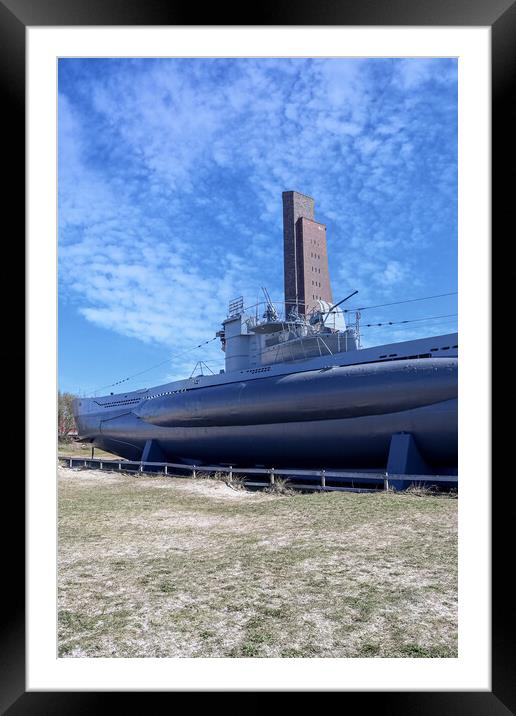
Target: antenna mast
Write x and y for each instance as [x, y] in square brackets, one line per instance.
[358, 315]
[332, 308]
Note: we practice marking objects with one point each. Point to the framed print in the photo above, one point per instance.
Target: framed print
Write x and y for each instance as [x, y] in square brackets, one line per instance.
[42, 49]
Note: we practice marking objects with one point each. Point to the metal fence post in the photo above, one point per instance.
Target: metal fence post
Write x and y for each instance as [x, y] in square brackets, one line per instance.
[386, 481]
[323, 478]
[231, 472]
[272, 476]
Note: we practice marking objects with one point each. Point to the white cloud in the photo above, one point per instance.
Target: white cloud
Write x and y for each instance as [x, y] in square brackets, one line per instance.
[394, 272]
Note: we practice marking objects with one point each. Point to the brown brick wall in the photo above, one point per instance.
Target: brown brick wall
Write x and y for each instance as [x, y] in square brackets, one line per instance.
[295, 205]
[316, 277]
[305, 255]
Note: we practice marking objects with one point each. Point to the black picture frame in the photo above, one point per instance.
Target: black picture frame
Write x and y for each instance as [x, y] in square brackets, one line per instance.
[500, 16]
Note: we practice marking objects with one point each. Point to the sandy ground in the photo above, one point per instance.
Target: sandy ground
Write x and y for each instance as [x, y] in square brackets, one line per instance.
[156, 566]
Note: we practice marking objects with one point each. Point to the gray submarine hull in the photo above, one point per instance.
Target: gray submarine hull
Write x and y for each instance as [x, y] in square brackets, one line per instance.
[336, 417]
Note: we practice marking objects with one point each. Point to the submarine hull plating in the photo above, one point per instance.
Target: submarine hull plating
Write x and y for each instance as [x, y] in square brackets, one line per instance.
[340, 417]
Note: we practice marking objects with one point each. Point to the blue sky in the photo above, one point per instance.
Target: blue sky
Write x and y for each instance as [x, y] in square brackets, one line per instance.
[170, 180]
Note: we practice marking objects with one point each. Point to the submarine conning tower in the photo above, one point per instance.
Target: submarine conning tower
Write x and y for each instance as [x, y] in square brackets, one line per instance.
[305, 330]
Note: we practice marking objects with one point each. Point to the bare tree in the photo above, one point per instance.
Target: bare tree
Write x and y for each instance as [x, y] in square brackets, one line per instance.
[65, 419]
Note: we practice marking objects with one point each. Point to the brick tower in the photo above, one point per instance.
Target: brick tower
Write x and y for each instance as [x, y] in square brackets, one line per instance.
[305, 255]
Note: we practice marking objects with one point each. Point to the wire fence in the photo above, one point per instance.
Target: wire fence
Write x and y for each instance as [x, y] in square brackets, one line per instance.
[296, 478]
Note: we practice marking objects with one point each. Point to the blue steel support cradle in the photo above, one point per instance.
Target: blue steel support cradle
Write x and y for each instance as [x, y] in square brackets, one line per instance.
[152, 452]
[405, 459]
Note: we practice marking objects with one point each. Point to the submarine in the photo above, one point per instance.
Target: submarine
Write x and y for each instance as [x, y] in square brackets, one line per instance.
[297, 389]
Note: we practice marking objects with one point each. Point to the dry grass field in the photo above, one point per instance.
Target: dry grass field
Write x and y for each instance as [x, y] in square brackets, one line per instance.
[75, 449]
[160, 567]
